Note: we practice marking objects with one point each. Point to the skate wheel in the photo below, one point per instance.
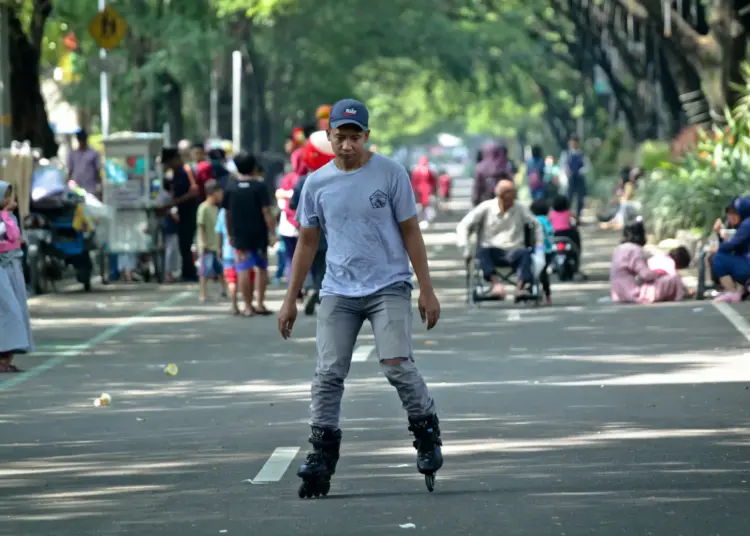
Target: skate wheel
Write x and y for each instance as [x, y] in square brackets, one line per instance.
[325, 488]
[301, 491]
[429, 481]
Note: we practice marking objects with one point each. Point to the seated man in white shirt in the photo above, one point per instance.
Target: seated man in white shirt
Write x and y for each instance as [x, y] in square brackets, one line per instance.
[503, 236]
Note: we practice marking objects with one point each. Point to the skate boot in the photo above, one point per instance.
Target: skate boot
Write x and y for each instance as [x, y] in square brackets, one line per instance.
[320, 463]
[427, 442]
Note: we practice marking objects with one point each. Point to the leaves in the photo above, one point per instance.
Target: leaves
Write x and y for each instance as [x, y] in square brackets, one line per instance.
[479, 66]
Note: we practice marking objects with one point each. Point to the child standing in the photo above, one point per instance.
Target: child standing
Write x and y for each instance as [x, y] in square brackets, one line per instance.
[540, 209]
[207, 241]
[561, 220]
[226, 253]
[15, 325]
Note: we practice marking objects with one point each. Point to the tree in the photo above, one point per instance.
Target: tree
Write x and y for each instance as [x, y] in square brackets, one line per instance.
[26, 24]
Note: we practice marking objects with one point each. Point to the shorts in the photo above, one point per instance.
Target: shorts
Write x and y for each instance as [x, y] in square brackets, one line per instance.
[209, 265]
[256, 258]
[230, 273]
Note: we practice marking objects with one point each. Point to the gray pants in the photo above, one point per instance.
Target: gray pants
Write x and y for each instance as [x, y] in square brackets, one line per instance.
[339, 322]
[171, 254]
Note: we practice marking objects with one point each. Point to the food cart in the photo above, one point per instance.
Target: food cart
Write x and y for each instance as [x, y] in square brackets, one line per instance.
[132, 187]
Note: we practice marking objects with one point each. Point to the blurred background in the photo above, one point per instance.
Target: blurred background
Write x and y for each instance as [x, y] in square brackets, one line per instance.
[634, 79]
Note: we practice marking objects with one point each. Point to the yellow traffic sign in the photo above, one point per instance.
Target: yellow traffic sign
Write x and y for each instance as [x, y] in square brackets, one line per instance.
[108, 28]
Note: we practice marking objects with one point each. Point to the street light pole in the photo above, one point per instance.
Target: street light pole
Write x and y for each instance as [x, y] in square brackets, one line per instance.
[103, 84]
[236, 102]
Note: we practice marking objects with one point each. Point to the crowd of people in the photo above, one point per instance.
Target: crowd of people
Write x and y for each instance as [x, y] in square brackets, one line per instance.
[220, 220]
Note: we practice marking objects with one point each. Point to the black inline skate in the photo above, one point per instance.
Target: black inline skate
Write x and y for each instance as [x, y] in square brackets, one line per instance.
[320, 463]
[427, 442]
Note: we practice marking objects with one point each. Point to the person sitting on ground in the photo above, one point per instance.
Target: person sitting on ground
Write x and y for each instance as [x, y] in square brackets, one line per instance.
[631, 279]
[724, 230]
[540, 209]
[562, 221]
[669, 263]
[503, 223]
[731, 262]
[627, 207]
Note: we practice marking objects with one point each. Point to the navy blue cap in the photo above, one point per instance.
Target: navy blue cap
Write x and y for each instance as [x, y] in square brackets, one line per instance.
[349, 112]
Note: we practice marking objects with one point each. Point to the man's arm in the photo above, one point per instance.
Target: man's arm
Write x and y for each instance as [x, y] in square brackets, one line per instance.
[414, 244]
[467, 223]
[304, 253]
[740, 238]
[405, 211]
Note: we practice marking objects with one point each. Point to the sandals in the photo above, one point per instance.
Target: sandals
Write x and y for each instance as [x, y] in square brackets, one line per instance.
[9, 368]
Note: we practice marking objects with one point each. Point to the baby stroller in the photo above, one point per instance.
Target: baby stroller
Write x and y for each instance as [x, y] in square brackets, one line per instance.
[58, 234]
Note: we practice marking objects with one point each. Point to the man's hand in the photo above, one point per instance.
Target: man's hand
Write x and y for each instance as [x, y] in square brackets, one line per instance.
[429, 307]
[718, 225]
[287, 316]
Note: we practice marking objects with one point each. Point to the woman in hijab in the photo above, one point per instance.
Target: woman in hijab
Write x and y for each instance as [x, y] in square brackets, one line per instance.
[631, 279]
[15, 327]
[494, 162]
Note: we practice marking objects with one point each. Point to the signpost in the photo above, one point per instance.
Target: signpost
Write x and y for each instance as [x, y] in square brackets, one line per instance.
[108, 29]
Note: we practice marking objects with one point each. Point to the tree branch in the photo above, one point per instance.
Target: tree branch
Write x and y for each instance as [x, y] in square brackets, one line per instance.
[689, 41]
[42, 10]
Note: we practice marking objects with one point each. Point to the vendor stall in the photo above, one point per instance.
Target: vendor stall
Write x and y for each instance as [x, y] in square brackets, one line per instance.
[133, 188]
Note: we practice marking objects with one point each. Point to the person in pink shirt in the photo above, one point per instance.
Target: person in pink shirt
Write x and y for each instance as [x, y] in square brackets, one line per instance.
[631, 278]
[15, 326]
[562, 221]
[669, 263]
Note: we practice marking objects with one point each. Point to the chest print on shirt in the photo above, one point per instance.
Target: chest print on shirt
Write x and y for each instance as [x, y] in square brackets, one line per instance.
[378, 199]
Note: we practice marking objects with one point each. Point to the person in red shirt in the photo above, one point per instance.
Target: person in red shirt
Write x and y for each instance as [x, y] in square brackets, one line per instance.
[423, 182]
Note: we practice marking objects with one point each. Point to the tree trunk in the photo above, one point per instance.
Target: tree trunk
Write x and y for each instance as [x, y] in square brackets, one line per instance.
[716, 57]
[29, 114]
[172, 99]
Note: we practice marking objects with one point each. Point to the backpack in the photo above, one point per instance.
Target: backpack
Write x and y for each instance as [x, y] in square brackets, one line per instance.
[534, 174]
[575, 163]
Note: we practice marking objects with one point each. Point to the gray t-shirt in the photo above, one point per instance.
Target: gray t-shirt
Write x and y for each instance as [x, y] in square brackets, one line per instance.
[359, 212]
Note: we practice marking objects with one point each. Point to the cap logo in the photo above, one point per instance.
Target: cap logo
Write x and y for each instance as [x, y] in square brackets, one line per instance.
[350, 111]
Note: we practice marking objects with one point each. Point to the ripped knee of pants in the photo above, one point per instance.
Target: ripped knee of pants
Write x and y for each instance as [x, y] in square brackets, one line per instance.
[395, 361]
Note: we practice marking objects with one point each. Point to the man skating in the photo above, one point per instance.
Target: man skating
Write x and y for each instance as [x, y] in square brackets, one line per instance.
[364, 204]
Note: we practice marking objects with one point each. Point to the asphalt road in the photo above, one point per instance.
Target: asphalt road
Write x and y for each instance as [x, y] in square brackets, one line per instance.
[583, 418]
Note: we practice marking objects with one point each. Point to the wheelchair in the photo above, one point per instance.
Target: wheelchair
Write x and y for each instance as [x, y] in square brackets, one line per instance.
[478, 289]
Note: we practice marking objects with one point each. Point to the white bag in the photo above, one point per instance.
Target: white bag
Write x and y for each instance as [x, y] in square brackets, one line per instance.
[538, 261]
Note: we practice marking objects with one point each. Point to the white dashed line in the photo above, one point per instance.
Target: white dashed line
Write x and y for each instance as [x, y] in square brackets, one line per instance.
[276, 465]
[734, 318]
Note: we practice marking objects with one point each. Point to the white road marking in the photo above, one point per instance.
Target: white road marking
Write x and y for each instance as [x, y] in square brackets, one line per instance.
[276, 465]
[76, 350]
[514, 316]
[361, 353]
[734, 318]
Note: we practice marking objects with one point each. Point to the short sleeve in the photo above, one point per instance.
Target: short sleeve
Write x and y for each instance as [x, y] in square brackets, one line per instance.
[402, 196]
[201, 214]
[308, 210]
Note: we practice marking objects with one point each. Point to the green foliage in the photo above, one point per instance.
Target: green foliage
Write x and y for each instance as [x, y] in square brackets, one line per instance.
[466, 66]
[652, 153]
[693, 193]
